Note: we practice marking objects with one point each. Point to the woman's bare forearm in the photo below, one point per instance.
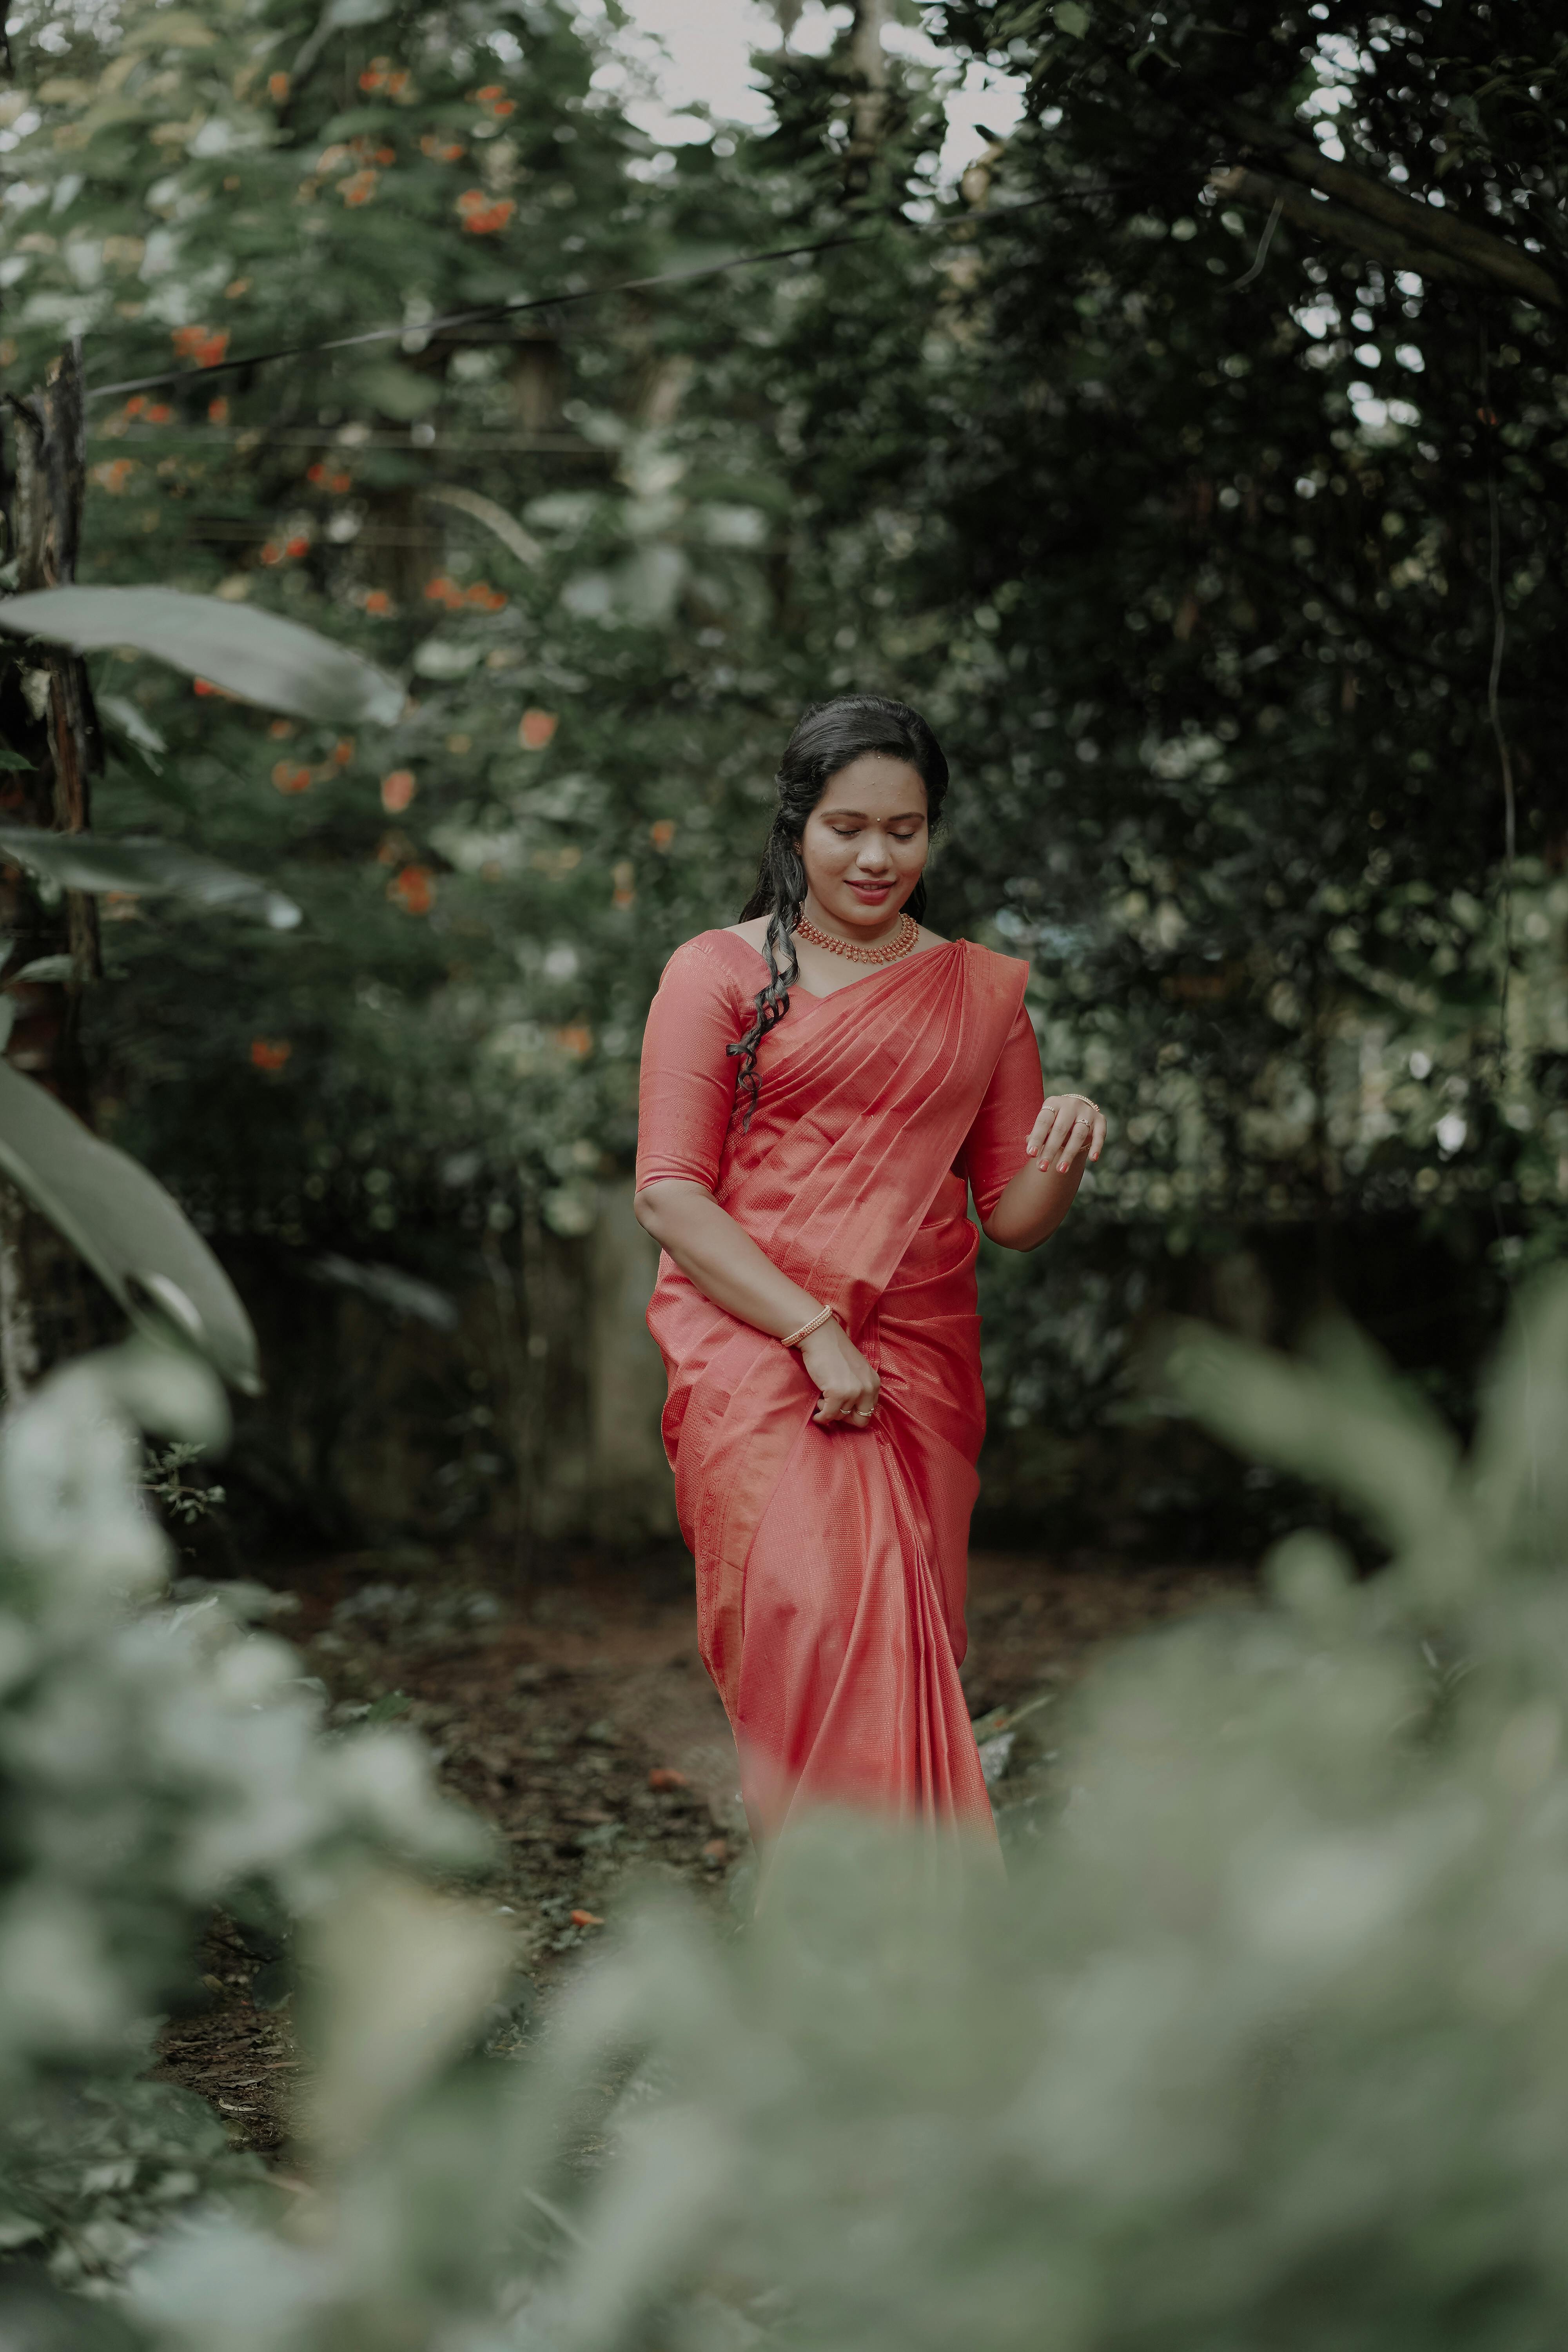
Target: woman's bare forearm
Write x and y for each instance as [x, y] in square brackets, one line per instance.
[724, 1262]
[1034, 1205]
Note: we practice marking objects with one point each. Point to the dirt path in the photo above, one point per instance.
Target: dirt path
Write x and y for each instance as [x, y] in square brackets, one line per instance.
[578, 1719]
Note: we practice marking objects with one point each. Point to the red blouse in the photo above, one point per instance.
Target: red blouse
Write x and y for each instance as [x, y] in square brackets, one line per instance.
[686, 1097]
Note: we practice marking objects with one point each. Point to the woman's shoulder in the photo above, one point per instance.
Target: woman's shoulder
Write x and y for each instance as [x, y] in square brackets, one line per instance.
[1000, 979]
[717, 958]
[1011, 971]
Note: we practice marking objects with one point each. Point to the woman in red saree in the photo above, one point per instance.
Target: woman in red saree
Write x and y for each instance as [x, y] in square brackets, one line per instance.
[823, 1085]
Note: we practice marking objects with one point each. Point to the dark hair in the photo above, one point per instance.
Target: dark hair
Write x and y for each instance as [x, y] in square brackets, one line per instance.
[828, 737]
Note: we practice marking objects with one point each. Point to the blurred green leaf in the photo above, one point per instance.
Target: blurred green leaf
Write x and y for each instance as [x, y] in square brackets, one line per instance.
[122, 713]
[82, 861]
[257, 655]
[399, 392]
[1342, 1423]
[130, 1232]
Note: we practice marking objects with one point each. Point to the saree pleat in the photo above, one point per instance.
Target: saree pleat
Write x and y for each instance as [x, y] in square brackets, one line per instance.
[831, 1561]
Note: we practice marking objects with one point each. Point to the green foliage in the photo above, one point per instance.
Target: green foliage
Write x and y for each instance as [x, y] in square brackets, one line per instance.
[254, 655]
[154, 1761]
[126, 1226]
[1190, 564]
[1262, 2042]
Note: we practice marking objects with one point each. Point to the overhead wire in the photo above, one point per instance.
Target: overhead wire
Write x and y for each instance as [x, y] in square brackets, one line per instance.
[520, 305]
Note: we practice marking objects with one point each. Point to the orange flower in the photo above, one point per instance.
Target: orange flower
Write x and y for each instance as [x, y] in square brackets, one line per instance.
[235, 288]
[535, 728]
[135, 407]
[290, 778]
[206, 345]
[661, 833]
[492, 89]
[297, 546]
[575, 1039]
[387, 155]
[280, 730]
[359, 187]
[440, 149]
[397, 790]
[412, 889]
[489, 599]
[271, 552]
[113, 475]
[440, 590]
[314, 473]
[586, 1919]
[159, 414]
[374, 74]
[343, 750]
[269, 1053]
[277, 88]
[485, 222]
[397, 82]
[665, 1776]
[218, 411]
[379, 603]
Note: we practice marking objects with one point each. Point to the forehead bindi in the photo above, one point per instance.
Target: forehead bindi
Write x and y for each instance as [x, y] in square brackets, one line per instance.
[875, 791]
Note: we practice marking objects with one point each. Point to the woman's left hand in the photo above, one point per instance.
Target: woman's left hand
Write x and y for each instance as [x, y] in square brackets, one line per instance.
[1069, 1129]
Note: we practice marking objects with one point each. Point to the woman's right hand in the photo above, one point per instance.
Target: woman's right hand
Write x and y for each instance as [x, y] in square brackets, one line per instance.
[848, 1385]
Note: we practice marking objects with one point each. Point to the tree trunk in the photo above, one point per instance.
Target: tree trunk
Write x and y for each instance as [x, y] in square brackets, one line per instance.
[49, 1306]
[869, 92]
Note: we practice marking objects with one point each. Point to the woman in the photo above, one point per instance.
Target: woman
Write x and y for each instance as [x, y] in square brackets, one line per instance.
[820, 1084]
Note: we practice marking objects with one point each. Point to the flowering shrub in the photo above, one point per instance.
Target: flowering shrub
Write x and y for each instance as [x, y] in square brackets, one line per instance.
[154, 1761]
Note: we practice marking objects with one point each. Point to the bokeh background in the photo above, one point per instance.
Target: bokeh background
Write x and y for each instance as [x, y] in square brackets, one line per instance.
[1213, 528]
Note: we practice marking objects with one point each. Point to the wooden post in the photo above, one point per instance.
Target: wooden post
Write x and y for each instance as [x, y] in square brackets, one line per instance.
[869, 98]
[49, 1306]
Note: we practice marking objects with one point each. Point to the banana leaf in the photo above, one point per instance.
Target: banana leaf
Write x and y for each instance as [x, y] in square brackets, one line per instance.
[81, 861]
[253, 654]
[136, 1239]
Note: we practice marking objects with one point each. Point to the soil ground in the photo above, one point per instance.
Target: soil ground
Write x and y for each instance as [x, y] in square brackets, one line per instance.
[576, 1717]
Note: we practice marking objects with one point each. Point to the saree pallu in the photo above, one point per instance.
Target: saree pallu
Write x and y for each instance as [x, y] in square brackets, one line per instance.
[831, 1561]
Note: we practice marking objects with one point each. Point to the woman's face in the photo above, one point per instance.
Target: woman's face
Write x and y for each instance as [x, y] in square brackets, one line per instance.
[865, 841]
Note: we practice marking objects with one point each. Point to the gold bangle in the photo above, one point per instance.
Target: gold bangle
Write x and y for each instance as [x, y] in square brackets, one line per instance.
[823, 1314]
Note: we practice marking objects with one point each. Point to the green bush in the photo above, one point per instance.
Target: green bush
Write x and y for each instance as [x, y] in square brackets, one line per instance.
[1265, 2041]
[154, 1761]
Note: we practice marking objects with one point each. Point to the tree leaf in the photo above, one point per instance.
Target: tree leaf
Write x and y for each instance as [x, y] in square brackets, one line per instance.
[398, 391]
[80, 861]
[12, 763]
[507, 528]
[122, 713]
[256, 655]
[389, 1286]
[136, 1239]
[1071, 18]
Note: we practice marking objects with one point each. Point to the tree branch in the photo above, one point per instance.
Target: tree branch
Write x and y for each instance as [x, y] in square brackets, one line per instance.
[1478, 256]
[1345, 226]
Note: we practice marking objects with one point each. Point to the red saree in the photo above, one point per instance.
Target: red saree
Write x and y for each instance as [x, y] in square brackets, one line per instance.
[831, 1562]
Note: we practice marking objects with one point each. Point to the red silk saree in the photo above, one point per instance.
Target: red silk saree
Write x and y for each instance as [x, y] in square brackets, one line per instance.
[831, 1562]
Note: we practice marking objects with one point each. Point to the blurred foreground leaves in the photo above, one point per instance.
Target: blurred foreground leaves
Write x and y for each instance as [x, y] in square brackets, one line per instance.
[1265, 2040]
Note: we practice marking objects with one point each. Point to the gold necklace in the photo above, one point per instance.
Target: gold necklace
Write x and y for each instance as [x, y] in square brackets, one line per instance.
[887, 950]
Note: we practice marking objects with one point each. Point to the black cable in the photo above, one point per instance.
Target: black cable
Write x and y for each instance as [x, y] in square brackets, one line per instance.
[516, 308]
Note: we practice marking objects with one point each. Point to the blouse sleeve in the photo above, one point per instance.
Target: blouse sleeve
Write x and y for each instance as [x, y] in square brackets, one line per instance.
[686, 1093]
[994, 1148]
